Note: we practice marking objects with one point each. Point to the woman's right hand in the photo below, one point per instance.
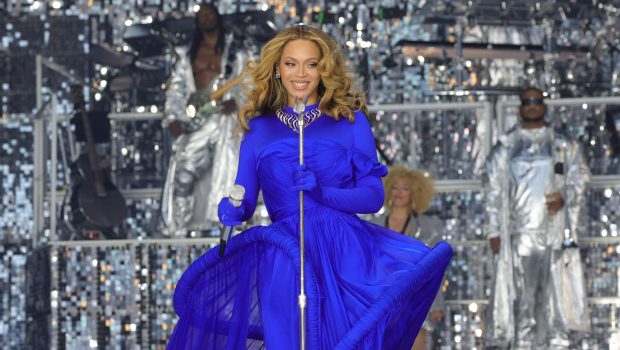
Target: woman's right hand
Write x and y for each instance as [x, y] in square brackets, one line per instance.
[228, 214]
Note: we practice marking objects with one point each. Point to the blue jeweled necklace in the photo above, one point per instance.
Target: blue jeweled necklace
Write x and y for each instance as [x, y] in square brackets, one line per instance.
[290, 118]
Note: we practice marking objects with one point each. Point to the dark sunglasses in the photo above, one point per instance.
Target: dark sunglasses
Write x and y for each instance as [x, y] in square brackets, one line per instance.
[532, 102]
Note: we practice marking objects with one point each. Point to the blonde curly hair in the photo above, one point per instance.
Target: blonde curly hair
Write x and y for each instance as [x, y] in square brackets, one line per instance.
[268, 94]
[421, 184]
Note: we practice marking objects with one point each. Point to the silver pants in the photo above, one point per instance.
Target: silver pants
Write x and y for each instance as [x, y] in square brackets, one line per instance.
[201, 171]
[534, 324]
[532, 263]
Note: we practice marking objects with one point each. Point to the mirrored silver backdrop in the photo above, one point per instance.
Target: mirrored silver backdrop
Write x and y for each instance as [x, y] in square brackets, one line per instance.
[442, 79]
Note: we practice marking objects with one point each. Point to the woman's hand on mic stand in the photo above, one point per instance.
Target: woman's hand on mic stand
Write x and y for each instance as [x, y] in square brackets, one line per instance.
[305, 180]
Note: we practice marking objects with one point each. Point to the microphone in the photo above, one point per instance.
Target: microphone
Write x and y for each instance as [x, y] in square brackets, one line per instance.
[235, 197]
[299, 108]
[300, 105]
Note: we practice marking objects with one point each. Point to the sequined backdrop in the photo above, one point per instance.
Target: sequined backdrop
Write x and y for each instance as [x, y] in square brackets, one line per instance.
[116, 296]
[473, 55]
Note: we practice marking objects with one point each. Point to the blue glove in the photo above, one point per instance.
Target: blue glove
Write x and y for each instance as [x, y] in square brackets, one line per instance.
[228, 214]
[364, 200]
[304, 180]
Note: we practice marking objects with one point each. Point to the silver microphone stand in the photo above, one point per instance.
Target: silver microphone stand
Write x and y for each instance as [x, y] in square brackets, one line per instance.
[300, 106]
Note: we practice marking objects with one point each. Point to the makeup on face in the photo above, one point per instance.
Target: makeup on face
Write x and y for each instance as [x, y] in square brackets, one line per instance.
[298, 68]
[401, 193]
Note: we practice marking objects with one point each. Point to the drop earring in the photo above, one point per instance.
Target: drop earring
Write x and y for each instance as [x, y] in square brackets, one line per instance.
[277, 73]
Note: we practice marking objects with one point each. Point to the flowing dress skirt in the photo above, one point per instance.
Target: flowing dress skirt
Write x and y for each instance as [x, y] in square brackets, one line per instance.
[367, 287]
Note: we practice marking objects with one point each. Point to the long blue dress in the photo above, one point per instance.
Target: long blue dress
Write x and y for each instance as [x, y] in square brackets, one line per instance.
[367, 287]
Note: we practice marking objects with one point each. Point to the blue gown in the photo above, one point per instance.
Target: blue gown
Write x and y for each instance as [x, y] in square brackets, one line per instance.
[367, 287]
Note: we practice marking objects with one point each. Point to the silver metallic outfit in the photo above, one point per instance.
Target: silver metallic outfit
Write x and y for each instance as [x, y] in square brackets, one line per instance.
[528, 306]
[426, 228]
[204, 161]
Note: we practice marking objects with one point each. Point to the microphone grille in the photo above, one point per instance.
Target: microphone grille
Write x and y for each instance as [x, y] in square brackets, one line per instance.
[236, 194]
[300, 104]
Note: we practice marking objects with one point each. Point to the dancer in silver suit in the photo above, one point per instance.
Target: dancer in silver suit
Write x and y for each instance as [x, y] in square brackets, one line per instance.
[536, 179]
[205, 155]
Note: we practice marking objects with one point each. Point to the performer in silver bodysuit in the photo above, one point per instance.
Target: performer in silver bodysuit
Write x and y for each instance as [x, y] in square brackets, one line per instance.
[536, 179]
[205, 149]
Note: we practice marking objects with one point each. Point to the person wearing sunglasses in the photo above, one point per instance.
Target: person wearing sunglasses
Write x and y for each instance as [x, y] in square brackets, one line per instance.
[535, 182]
